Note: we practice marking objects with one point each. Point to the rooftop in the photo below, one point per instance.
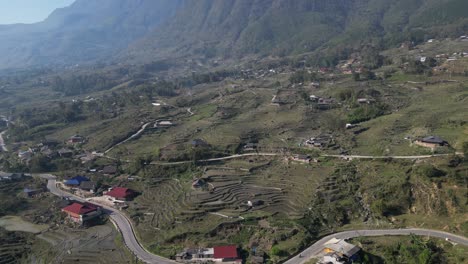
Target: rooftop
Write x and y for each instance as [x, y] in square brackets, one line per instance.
[225, 252]
[342, 247]
[120, 192]
[80, 208]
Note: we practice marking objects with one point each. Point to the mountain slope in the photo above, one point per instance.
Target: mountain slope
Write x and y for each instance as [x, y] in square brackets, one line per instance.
[240, 27]
[147, 30]
[85, 31]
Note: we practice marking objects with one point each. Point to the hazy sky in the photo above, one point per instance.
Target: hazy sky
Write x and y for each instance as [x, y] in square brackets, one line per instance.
[28, 11]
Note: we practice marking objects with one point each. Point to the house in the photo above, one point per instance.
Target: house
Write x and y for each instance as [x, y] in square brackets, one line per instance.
[314, 98]
[109, 170]
[82, 212]
[225, 254]
[10, 176]
[431, 142]
[321, 141]
[65, 153]
[31, 192]
[220, 254]
[75, 139]
[120, 194]
[75, 181]
[342, 250]
[88, 186]
[25, 155]
[325, 103]
[250, 147]
[365, 101]
[301, 158]
[198, 183]
[195, 254]
[333, 258]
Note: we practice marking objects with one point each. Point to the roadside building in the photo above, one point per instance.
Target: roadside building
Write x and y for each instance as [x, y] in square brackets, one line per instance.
[226, 254]
[250, 147]
[301, 158]
[76, 181]
[10, 176]
[431, 142]
[342, 250]
[120, 194]
[220, 254]
[82, 212]
[88, 186]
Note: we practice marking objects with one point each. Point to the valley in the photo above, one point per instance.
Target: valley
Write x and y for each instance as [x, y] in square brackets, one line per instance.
[214, 132]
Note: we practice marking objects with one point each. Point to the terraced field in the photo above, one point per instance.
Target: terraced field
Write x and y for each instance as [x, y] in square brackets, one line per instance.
[12, 248]
[93, 245]
[172, 210]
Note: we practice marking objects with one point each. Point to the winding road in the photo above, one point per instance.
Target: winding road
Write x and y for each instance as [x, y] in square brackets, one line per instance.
[131, 241]
[318, 246]
[120, 221]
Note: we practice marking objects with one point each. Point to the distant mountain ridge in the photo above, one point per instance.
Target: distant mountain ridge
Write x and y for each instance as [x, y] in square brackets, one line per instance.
[147, 30]
[86, 31]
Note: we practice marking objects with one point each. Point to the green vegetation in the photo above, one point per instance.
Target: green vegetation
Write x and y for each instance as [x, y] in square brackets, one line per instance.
[413, 249]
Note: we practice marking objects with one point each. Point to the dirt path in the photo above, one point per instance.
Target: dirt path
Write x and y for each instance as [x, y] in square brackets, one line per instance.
[389, 157]
[2, 142]
[139, 132]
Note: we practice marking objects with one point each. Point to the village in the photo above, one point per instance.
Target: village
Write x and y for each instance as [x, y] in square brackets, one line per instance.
[255, 184]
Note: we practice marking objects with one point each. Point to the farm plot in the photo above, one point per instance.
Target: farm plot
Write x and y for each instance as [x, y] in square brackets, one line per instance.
[93, 245]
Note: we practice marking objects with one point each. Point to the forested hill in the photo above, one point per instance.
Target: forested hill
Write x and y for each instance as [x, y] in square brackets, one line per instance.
[86, 31]
[148, 30]
[281, 27]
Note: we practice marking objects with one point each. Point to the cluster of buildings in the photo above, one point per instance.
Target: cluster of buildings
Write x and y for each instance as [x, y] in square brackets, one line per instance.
[323, 103]
[320, 142]
[219, 254]
[82, 213]
[51, 149]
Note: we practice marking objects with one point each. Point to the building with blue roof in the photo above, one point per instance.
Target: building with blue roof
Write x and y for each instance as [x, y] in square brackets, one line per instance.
[76, 181]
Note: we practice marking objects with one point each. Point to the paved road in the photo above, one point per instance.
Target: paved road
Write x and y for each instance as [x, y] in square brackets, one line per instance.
[121, 222]
[317, 247]
[2, 142]
[217, 159]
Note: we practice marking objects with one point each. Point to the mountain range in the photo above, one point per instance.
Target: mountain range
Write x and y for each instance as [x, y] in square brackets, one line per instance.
[91, 31]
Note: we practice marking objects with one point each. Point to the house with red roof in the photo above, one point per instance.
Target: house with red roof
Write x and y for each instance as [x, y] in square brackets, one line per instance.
[120, 194]
[226, 254]
[82, 212]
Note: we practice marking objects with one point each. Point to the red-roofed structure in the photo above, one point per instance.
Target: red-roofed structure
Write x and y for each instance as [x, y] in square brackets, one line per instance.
[81, 212]
[121, 193]
[226, 253]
